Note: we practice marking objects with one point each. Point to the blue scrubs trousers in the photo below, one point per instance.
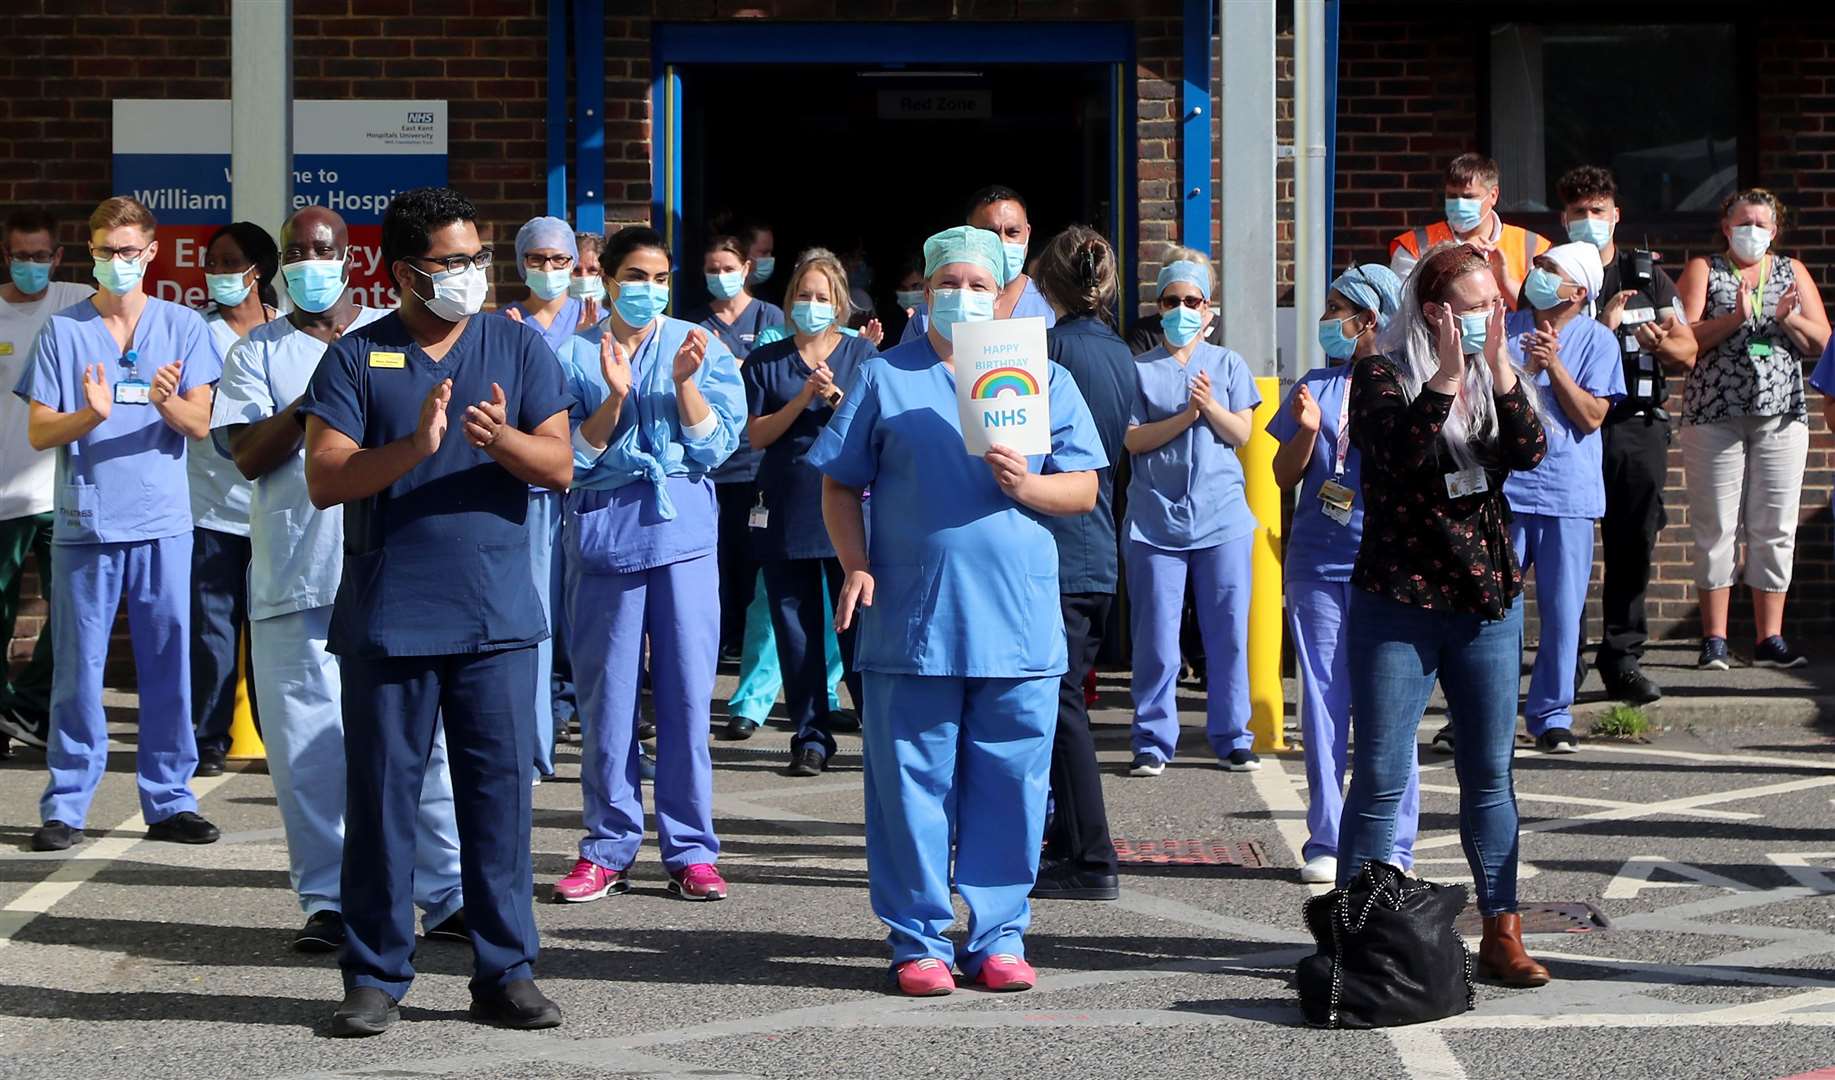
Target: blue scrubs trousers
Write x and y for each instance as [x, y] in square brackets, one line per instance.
[1315, 617]
[544, 533]
[392, 708]
[153, 577]
[1156, 591]
[1561, 551]
[304, 735]
[677, 606]
[219, 611]
[800, 618]
[760, 677]
[940, 749]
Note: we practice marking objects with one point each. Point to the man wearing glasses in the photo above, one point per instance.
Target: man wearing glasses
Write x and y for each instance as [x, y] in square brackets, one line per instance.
[435, 622]
[28, 297]
[118, 384]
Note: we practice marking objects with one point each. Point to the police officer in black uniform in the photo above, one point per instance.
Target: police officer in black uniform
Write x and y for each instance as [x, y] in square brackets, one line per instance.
[1654, 338]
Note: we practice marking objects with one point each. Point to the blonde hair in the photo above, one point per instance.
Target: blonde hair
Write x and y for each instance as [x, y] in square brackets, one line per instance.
[824, 262]
[1757, 196]
[122, 211]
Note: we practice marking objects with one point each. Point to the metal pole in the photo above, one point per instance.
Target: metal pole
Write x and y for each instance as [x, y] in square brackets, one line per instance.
[1246, 104]
[261, 112]
[1310, 259]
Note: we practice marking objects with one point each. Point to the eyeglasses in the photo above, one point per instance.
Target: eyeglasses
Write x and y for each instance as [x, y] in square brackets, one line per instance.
[41, 257]
[547, 262]
[105, 254]
[1167, 303]
[454, 264]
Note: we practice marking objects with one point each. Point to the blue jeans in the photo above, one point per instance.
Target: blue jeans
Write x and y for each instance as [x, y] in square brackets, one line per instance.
[1396, 653]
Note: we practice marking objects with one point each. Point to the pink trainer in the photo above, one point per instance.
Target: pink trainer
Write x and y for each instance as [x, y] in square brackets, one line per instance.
[589, 881]
[1005, 972]
[701, 881]
[925, 977]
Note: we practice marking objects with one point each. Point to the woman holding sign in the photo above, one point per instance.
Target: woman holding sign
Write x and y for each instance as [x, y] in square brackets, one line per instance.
[1193, 406]
[961, 643]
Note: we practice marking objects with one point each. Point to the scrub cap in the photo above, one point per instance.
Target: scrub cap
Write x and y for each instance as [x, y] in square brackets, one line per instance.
[964, 244]
[1371, 287]
[1581, 263]
[546, 232]
[1189, 272]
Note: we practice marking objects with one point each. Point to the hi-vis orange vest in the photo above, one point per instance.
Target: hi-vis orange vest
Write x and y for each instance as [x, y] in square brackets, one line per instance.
[1518, 244]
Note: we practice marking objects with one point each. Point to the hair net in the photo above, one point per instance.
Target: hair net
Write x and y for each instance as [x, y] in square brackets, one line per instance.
[546, 232]
[1371, 287]
[1580, 262]
[1189, 272]
[964, 244]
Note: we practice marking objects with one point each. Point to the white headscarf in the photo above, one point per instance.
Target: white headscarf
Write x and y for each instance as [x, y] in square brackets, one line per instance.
[1580, 262]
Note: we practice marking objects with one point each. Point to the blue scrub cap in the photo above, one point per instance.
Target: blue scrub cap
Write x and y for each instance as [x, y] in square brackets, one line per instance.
[1371, 287]
[545, 232]
[1189, 272]
[964, 244]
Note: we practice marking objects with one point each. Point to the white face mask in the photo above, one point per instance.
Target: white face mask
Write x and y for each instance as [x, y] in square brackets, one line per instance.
[1749, 242]
[457, 294]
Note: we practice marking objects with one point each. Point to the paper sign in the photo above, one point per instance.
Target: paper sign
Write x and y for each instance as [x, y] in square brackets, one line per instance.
[1003, 380]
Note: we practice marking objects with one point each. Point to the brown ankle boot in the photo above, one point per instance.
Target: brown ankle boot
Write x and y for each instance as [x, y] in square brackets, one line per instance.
[1501, 955]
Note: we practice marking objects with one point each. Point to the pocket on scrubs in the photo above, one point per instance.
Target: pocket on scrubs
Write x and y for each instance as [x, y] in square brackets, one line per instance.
[591, 537]
[505, 611]
[79, 514]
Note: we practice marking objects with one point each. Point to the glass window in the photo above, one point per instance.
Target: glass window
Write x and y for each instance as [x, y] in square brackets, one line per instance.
[1657, 104]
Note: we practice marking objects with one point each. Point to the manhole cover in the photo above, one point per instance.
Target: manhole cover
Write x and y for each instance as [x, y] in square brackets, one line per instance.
[1190, 853]
[1544, 919]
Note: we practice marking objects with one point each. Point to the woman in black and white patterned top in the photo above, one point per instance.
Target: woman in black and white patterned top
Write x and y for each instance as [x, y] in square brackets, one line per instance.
[1745, 434]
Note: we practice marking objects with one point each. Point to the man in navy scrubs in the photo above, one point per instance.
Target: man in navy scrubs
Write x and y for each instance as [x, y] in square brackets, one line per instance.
[434, 621]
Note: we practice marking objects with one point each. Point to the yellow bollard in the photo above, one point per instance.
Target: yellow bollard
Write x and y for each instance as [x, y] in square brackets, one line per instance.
[244, 741]
[1267, 699]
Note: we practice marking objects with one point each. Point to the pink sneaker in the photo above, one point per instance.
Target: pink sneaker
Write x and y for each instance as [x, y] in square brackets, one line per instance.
[927, 977]
[589, 881]
[701, 881]
[1004, 972]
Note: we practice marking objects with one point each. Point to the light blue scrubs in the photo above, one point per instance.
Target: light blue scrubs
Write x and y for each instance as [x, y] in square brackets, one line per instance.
[1031, 304]
[639, 540]
[123, 532]
[961, 652]
[1187, 519]
[1320, 554]
[219, 494]
[296, 562]
[1553, 507]
[760, 680]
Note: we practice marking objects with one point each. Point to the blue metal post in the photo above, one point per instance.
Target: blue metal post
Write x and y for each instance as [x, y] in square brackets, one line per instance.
[1331, 125]
[557, 108]
[1195, 129]
[589, 114]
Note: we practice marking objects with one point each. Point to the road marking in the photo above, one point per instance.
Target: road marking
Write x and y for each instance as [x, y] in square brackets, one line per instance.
[1280, 793]
[1606, 804]
[1425, 1054]
[1707, 759]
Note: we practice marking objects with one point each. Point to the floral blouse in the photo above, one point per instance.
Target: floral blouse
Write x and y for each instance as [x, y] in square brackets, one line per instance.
[1420, 546]
[1728, 381]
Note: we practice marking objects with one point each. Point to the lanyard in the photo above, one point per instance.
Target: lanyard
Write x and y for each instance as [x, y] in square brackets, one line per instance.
[1758, 294]
[1344, 426]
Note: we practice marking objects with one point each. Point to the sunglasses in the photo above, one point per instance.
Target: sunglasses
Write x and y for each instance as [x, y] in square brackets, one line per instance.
[1167, 303]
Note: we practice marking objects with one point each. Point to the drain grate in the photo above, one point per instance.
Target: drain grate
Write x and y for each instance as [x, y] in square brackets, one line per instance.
[1247, 853]
[1543, 919]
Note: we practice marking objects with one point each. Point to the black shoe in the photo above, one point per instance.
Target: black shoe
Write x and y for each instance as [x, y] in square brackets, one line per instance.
[1057, 881]
[1443, 740]
[1557, 740]
[646, 765]
[210, 762]
[1714, 655]
[809, 761]
[646, 731]
[1240, 761]
[1633, 687]
[739, 729]
[1774, 653]
[184, 827]
[519, 1005]
[365, 1011]
[20, 727]
[452, 928]
[323, 933]
[844, 721]
[55, 836]
[732, 653]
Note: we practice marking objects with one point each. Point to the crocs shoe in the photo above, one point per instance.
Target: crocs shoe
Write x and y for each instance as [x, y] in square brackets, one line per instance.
[589, 881]
[702, 881]
[925, 977]
[1004, 972]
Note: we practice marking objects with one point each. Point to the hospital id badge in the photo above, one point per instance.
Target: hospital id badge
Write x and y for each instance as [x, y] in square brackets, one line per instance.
[759, 518]
[133, 392]
[1759, 350]
[1335, 501]
[1466, 482]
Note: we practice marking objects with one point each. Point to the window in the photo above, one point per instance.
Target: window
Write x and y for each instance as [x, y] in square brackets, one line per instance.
[1657, 104]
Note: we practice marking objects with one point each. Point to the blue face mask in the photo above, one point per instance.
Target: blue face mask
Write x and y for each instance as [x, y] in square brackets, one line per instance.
[590, 287]
[1016, 259]
[314, 284]
[119, 276]
[1595, 231]
[762, 269]
[1181, 325]
[812, 316]
[909, 298]
[952, 306]
[1542, 289]
[1333, 340]
[1473, 332]
[29, 277]
[228, 290]
[725, 286]
[1464, 215]
[547, 284]
[640, 302]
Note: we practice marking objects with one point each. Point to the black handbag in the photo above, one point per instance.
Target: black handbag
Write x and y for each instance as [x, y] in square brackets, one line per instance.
[1388, 954]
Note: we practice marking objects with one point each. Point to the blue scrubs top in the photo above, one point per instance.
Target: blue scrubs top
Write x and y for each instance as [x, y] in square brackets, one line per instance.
[1031, 304]
[1187, 494]
[124, 481]
[648, 499]
[557, 333]
[1569, 482]
[966, 581]
[740, 337]
[437, 563]
[1103, 368]
[1318, 548]
[1823, 378]
[219, 494]
[790, 488]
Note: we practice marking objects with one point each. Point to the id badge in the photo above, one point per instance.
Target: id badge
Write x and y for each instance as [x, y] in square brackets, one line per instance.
[759, 518]
[133, 392]
[1758, 350]
[1645, 388]
[1339, 514]
[1335, 500]
[1466, 482]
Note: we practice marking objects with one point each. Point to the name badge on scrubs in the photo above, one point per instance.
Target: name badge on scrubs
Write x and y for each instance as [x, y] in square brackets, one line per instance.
[6, 348]
[1335, 501]
[760, 517]
[1466, 482]
[133, 392]
[388, 360]
[1758, 350]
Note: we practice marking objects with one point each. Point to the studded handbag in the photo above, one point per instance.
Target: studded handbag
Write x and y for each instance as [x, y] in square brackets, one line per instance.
[1388, 954]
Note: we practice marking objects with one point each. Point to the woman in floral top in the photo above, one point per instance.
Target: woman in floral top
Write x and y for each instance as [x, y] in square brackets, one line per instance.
[1441, 420]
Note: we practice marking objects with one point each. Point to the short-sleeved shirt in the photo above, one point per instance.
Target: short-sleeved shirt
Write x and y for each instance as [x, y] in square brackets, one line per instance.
[1187, 494]
[1569, 481]
[1031, 304]
[789, 488]
[125, 480]
[965, 579]
[296, 550]
[557, 333]
[28, 477]
[1728, 380]
[1318, 548]
[219, 494]
[1103, 368]
[437, 563]
[740, 337]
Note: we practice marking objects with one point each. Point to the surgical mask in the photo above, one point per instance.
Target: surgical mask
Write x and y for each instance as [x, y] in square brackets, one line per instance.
[1590, 230]
[812, 316]
[1333, 340]
[1016, 259]
[1542, 289]
[726, 285]
[1181, 325]
[1464, 215]
[119, 276]
[314, 284]
[909, 298]
[762, 269]
[457, 294]
[1473, 331]
[32, 277]
[228, 290]
[640, 302]
[1750, 242]
[590, 287]
[547, 284]
[952, 306]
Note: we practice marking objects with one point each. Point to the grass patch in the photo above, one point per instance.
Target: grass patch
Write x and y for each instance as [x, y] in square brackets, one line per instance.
[1622, 722]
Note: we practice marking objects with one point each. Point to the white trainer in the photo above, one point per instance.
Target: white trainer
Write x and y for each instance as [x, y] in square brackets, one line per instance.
[1320, 870]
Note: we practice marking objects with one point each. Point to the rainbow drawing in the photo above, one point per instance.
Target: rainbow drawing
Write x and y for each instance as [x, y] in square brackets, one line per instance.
[1004, 382]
